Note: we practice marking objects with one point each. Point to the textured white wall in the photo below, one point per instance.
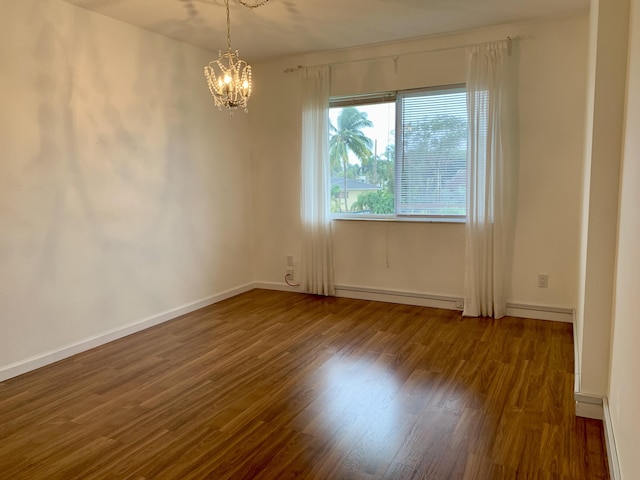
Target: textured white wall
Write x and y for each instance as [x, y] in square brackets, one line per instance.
[123, 192]
[550, 59]
[624, 388]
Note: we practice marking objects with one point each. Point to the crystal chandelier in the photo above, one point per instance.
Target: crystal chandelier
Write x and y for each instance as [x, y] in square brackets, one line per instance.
[229, 77]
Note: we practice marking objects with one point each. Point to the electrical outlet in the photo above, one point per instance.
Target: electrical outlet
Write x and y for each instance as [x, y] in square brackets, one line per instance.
[289, 260]
[290, 273]
[543, 280]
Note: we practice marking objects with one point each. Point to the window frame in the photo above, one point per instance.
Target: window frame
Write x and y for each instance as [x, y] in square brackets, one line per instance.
[386, 97]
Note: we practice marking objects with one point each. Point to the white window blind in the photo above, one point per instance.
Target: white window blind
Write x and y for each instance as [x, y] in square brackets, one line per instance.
[431, 149]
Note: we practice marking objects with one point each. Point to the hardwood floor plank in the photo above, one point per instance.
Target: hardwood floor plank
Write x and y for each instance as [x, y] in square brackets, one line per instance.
[279, 385]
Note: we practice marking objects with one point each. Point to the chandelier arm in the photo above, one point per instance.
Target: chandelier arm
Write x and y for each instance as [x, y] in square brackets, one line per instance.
[256, 5]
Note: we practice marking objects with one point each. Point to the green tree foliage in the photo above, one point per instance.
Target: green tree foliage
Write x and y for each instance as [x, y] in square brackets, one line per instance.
[380, 169]
[379, 202]
[429, 145]
[347, 137]
[335, 199]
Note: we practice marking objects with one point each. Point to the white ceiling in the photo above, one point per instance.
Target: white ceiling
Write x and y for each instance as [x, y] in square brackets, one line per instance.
[285, 27]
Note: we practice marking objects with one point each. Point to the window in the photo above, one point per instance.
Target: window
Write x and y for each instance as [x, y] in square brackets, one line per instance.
[399, 154]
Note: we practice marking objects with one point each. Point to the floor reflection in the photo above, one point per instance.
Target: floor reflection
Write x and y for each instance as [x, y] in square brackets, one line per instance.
[360, 407]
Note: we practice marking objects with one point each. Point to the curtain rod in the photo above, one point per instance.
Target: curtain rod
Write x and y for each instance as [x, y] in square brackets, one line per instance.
[395, 57]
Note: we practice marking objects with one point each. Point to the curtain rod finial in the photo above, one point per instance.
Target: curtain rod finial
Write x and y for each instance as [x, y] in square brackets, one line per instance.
[293, 69]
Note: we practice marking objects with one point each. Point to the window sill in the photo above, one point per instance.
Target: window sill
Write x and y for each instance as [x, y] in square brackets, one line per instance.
[390, 218]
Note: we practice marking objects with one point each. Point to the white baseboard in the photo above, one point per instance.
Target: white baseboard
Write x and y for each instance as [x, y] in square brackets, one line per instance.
[610, 441]
[398, 296]
[539, 312]
[38, 361]
[589, 406]
[279, 286]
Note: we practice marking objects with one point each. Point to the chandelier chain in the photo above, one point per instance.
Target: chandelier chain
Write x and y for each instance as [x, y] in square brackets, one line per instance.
[248, 5]
[228, 27]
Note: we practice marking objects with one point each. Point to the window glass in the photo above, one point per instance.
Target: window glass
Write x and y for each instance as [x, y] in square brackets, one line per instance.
[399, 154]
[362, 158]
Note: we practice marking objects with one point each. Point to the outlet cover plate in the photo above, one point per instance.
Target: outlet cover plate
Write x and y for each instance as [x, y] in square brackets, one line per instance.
[543, 280]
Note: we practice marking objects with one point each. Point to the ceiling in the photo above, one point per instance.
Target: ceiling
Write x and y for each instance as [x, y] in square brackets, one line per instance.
[287, 27]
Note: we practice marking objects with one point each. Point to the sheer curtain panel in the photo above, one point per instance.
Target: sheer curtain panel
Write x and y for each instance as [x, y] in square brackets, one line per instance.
[317, 252]
[489, 170]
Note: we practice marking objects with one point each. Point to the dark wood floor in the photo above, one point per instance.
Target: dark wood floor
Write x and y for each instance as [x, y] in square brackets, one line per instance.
[276, 385]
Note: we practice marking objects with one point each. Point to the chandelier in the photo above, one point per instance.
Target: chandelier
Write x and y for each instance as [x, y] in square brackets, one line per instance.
[229, 77]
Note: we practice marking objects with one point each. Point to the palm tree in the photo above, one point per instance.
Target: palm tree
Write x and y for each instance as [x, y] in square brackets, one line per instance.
[348, 137]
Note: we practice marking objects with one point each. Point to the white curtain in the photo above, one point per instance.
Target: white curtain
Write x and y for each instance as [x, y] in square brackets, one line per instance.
[489, 182]
[317, 252]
